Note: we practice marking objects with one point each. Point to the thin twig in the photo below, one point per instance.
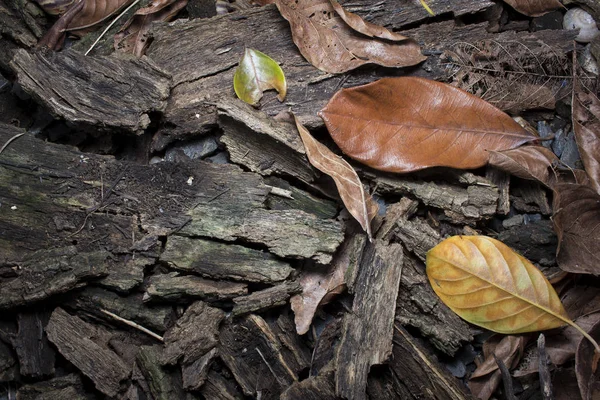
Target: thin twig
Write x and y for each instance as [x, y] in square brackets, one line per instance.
[10, 140]
[133, 325]
[114, 21]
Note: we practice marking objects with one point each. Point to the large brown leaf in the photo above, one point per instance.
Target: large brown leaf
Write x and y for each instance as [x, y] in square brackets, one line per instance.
[358, 202]
[527, 162]
[407, 124]
[534, 8]
[133, 36]
[96, 11]
[586, 125]
[331, 45]
[577, 224]
[588, 376]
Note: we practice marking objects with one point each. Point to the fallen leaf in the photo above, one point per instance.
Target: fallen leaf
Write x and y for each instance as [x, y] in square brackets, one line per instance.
[534, 8]
[527, 162]
[256, 73]
[321, 284]
[407, 124]
[133, 36]
[331, 45]
[358, 202]
[586, 125]
[577, 224]
[94, 12]
[488, 284]
[485, 379]
[588, 377]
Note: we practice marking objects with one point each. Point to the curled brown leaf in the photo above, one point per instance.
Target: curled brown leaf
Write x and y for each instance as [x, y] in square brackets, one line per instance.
[527, 162]
[330, 44]
[534, 8]
[358, 202]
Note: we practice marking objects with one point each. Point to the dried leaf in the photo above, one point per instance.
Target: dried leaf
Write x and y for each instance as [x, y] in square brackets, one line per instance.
[488, 284]
[586, 125]
[577, 224]
[331, 45]
[256, 73]
[486, 378]
[133, 36]
[96, 11]
[588, 377]
[407, 124]
[534, 8]
[527, 162]
[359, 203]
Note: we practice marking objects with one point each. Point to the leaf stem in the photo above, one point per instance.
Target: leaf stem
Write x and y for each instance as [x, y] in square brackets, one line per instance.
[426, 7]
[114, 21]
[586, 335]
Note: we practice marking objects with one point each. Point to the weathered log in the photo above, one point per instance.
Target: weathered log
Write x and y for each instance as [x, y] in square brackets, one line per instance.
[77, 340]
[108, 92]
[368, 330]
[194, 375]
[193, 335]
[224, 261]
[265, 299]
[36, 357]
[300, 200]
[178, 288]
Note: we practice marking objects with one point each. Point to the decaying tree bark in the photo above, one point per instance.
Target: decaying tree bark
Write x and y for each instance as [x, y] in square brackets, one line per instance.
[172, 280]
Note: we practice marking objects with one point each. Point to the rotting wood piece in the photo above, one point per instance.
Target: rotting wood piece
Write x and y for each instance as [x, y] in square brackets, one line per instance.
[179, 288]
[74, 339]
[36, 357]
[460, 205]
[68, 387]
[92, 300]
[320, 387]
[261, 300]
[416, 374]
[193, 335]
[219, 388]
[162, 384]
[223, 261]
[102, 92]
[367, 331]
[253, 353]
[300, 200]
[194, 375]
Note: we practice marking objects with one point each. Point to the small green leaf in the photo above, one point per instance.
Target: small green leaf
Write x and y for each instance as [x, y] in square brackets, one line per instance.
[258, 72]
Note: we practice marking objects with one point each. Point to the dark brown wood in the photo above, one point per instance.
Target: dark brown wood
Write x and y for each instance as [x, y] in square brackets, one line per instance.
[194, 375]
[93, 300]
[162, 385]
[193, 335]
[300, 200]
[320, 387]
[264, 299]
[68, 387]
[368, 330]
[253, 353]
[121, 95]
[36, 357]
[219, 388]
[77, 340]
[502, 181]
[180, 288]
[416, 374]
[224, 261]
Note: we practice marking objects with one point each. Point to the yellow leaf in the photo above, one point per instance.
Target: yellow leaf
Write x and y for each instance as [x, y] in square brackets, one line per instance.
[426, 7]
[488, 284]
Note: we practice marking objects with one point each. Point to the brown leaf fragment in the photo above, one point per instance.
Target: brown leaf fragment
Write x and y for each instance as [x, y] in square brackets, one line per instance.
[94, 12]
[534, 8]
[406, 124]
[487, 376]
[577, 225]
[133, 36]
[358, 202]
[586, 362]
[331, 45]
[527, 162]
[586, 125]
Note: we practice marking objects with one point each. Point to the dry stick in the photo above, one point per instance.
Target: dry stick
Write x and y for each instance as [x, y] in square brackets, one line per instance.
[544, 372]
[506, 379]
[10, 140]
[134, 325]
[114, 21]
